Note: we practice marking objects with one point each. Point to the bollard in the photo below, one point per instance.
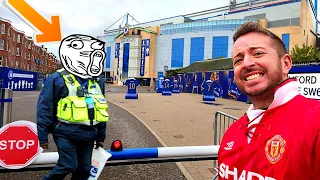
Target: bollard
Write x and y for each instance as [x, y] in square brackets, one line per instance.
[5, 106]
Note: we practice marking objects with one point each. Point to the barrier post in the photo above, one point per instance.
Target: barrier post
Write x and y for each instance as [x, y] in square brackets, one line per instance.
[5, 106]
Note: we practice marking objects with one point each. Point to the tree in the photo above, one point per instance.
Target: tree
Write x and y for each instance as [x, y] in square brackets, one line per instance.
[305, 54]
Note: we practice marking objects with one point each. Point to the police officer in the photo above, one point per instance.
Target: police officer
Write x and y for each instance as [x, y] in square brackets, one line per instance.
[74, 110]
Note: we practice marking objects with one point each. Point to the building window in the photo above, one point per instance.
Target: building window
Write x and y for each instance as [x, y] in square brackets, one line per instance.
[7, 45]
[17, 64]
[29, 45]
[18, 38]
[3, 28]
[9, 31]
[197, 49]
[1, 44]
[220, 47]
[6, 61]
[177, 53]
[286, 41]
[28, 56]
[1, 60]
[18, 50]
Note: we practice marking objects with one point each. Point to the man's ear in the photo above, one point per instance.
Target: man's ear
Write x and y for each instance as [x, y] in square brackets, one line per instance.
[286, 63]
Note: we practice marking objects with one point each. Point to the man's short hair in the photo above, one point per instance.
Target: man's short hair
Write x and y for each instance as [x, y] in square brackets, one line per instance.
[256, 27]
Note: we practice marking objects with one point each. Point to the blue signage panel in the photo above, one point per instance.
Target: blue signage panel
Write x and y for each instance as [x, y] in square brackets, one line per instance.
[117, 51]
[147, 42]
[143, 55]
[18, 80]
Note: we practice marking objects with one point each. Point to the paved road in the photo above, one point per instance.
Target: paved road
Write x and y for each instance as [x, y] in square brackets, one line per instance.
[122, 125]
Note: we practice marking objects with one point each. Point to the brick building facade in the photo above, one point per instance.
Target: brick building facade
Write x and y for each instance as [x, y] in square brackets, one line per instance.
[19, 51]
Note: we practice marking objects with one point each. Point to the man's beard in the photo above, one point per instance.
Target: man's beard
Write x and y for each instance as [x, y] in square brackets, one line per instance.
[273, 82]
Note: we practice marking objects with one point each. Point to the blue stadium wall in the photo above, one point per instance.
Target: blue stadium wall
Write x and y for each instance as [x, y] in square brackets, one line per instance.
[191, 82]
[181, 50]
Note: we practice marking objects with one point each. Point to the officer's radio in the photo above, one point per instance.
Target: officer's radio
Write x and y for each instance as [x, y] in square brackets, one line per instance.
[80, 92]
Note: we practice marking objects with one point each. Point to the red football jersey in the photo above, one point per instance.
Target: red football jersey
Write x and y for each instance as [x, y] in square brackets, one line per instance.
[285, 144]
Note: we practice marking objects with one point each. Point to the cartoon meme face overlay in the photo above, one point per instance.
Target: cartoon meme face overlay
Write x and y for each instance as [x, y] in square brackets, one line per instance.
[82, 55]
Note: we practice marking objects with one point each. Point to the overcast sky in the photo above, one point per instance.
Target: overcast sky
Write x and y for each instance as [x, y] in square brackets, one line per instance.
[92, 17]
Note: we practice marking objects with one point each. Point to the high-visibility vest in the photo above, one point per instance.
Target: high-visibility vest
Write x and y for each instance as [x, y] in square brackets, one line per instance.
[73, 109]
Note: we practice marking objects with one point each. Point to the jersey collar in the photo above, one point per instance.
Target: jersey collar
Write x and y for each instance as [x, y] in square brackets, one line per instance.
[286, 90]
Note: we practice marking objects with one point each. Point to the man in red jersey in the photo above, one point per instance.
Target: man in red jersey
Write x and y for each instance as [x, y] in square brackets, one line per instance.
[278, 138]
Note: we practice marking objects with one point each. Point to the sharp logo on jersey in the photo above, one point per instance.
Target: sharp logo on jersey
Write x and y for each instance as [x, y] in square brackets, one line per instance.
[227, 173]
[275, 148]
[229, 144]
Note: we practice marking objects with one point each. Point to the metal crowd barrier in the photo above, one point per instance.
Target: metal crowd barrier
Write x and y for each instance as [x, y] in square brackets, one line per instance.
[222, 122]
[5, 106]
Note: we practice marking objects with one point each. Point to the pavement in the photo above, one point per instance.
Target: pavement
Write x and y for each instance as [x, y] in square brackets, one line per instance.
[178, 120]
[121, 125]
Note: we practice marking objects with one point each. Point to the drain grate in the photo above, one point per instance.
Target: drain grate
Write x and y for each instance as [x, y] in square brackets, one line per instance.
[178, 136]
[212, 103]
[233, 108]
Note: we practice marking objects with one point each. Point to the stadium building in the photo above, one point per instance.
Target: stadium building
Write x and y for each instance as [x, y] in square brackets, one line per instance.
[146, 50]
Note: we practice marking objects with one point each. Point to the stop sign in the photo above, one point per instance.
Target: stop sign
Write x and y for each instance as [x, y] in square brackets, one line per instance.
[19, 144]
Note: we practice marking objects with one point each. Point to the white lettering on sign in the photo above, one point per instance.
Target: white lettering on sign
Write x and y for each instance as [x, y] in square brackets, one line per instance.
[127, 40]
[309, 84]
[232, 173]
[11, 75]
[16, 144]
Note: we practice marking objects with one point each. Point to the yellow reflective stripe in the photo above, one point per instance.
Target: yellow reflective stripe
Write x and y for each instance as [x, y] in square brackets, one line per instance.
[96, 89]
[72, 88]
[99, 89]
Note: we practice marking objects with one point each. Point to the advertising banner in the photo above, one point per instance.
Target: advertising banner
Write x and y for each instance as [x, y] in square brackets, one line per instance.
[147, 42]
[117, 51]
[309, 84]
[143, 55]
